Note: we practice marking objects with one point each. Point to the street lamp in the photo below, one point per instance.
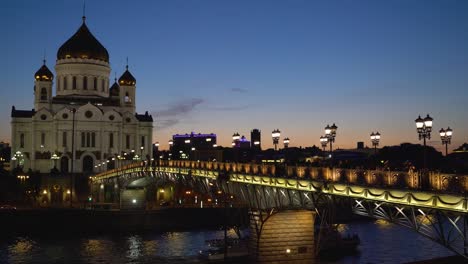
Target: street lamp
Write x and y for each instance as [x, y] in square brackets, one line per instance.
[18, 157]
[55, 158]
[235, 139]
[275, 134]
[330, 134]
[156, 152]
[141, 152]
[446, 137]
[324, 142]
[424, 128]
[375, 138]
[235, 136]
[73, 110]
[286, 142]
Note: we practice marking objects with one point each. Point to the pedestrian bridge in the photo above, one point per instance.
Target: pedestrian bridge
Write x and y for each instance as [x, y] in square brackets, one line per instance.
[432, 204]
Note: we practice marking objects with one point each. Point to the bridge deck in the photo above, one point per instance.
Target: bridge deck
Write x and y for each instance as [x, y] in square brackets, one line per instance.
[409, 197]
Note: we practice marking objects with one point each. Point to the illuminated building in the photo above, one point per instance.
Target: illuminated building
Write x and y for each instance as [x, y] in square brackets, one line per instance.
[100, 117]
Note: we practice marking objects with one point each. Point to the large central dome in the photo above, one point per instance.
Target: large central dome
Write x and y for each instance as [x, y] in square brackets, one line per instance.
[83, 45]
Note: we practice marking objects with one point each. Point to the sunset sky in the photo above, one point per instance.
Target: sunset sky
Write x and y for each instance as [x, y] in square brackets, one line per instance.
[231, 66]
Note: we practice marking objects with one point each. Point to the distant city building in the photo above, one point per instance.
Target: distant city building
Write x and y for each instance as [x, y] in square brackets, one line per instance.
[255, 139]
[102, 118]
[360, 145]
[185, 144]
[5, 155]
[242, 143]
[462, 148]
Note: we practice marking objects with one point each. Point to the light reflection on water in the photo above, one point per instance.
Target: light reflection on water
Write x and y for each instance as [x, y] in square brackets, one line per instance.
[381, 242]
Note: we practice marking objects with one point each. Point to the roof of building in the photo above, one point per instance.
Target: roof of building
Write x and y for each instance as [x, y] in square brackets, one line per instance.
[82, 100]
[43, 74]
[115, 88]
[83, 45]
[22, 113]
[144, 118]
[193, 134]
[127, 78]
[462, 148]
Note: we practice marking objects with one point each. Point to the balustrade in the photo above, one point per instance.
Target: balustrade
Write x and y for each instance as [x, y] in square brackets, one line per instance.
[392, 179]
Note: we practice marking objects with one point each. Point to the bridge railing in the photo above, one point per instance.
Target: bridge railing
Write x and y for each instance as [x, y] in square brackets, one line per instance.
[401, 179]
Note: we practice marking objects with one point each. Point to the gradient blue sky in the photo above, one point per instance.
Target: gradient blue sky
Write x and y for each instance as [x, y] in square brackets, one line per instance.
[230, 66]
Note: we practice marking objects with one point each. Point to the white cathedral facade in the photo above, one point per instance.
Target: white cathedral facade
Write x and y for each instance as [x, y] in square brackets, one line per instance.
[86, 122]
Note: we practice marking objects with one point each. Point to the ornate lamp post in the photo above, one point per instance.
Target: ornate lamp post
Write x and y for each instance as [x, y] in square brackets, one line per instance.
[275, 136]
[141, 152]
[424, 128]
[73, 110]
[235, 139]
[330, 134]
[55, 158]
[18, 157]
[375, 138]
[446, 137]
[171, 143]
[286, 145]
[156, 146]
[324, 142]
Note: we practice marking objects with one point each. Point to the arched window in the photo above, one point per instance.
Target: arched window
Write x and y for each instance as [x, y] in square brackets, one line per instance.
[111, 140]
[127, 141]
[43, 94]
[65, 82]
[88, 139]
[43, 139]
[22, 140]
[142, 141]
[93, 139]
[64, 164]
[59, 80]
[95, 83]
[83, 139]
[85, 83]
[74, 83]
[103, 83]
[127, 98]
[64, 139]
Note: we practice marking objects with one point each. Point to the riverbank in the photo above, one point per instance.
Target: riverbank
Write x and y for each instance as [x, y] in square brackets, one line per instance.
[80, 220]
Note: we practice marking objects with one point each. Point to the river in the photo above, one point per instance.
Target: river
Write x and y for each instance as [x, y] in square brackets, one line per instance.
[381, 243]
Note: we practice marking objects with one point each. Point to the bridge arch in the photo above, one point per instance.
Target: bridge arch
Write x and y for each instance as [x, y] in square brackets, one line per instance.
[437, 214]
[285, 236]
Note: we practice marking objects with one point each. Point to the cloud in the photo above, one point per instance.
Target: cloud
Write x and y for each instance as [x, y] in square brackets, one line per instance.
[229, 108]
[180, 108]
[161, 124]
[238, 90]
[175, 111]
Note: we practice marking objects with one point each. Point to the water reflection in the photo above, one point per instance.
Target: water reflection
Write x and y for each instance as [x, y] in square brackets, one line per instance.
[384, 224]
[134, 247]
[21, 249]
[22, 246]
[150, 247]
[381, 242]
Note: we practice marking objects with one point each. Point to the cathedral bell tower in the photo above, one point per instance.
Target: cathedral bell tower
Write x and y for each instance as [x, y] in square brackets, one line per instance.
[43, 87]
[127, 91]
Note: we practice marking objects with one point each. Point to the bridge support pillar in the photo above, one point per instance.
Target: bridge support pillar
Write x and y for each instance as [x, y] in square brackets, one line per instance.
[286, 237]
